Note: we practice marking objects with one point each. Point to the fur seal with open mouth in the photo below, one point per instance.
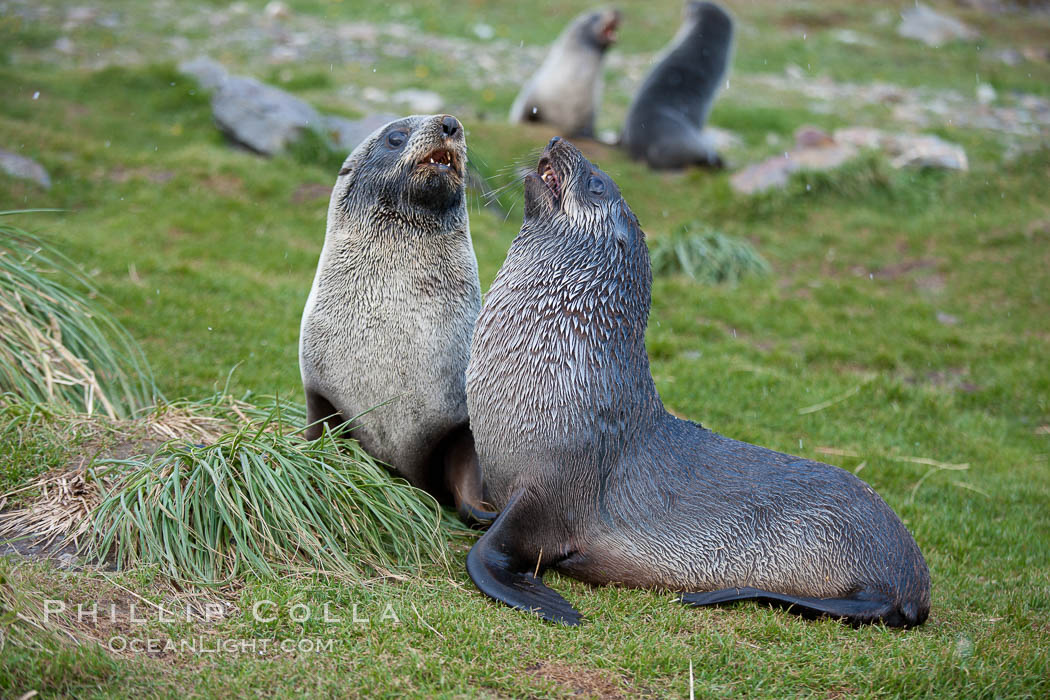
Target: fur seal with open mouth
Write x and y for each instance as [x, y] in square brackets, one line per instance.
[596, 480]
[665, 122]
[385, 335]
[566, 90]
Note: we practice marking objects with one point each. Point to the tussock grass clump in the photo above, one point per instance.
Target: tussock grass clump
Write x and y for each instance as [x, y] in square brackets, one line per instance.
[212, 490]
[706, 256]
[56, 344]
[260, 501]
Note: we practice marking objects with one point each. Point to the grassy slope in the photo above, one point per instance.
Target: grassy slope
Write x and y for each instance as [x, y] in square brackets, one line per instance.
[223, 250]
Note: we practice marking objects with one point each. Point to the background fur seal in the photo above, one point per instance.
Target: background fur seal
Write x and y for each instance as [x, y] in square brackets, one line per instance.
[596, 480]
[567, 89]
[665, 121]
[389, 318]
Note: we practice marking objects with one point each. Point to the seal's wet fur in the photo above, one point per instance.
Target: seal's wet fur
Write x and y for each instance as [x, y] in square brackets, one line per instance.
[665, 122]
[385, 334]
[597, 480]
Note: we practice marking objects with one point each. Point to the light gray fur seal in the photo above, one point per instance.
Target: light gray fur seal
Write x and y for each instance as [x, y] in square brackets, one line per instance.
[665, 122]
[596, 480]
[385, 335]
[567, 89]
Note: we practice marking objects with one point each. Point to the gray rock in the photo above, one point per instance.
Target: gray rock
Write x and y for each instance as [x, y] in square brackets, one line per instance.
[24, 168]
[209, 73]
[816, 150]
[774, 172]
[920, 150]
[64, 44]
[986, 93]
[374, 94]
[79, 16]
[860, 136]
[277, 11]
[284, 54]
[261, 117]
[926, 151]
[848, 36]
[345, 134]
[419, 101]
[1011, 57]
[932, 28]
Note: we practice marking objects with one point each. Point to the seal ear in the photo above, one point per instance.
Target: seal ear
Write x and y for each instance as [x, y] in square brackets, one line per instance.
[628, 230]
[352, 165]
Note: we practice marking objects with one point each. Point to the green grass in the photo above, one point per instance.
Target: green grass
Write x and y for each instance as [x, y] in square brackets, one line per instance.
[904, 317]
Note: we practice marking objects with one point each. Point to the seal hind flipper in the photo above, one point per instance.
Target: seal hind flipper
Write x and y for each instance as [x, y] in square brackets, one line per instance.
[475, 517]
[856, 610]
[462, 475]
[320, 412]
[499, 570]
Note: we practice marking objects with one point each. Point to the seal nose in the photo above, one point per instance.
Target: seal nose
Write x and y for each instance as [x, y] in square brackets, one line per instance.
[450, 126]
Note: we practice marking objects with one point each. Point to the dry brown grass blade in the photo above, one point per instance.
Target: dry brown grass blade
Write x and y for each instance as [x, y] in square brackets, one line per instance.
[59, 515]
[43, 353]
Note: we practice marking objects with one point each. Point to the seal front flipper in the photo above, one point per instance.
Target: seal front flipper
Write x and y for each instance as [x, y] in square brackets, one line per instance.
[503, 571]
[857, 610]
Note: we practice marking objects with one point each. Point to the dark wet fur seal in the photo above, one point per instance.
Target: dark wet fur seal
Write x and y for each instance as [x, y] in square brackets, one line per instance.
[566, 90]
[665, 122]
[596, 480]
[386, 330]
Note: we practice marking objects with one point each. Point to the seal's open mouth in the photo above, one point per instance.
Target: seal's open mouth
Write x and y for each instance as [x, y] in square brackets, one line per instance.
[549, 177]
[440, 159]
[609, 30]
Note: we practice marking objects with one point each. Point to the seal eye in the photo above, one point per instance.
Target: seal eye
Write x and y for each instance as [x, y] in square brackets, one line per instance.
[396, 139]
[596, 185]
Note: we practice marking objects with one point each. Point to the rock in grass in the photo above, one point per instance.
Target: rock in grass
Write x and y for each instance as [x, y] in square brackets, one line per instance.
[260, 116]
[817, 151]
[209, 73]
[419, 101]
[24, 168]
[814, 150]
[267, 119]
[907, 150]
[932, 28]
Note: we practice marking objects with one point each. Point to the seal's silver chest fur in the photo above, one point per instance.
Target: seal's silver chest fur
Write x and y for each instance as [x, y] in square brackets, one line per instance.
[385, 335]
